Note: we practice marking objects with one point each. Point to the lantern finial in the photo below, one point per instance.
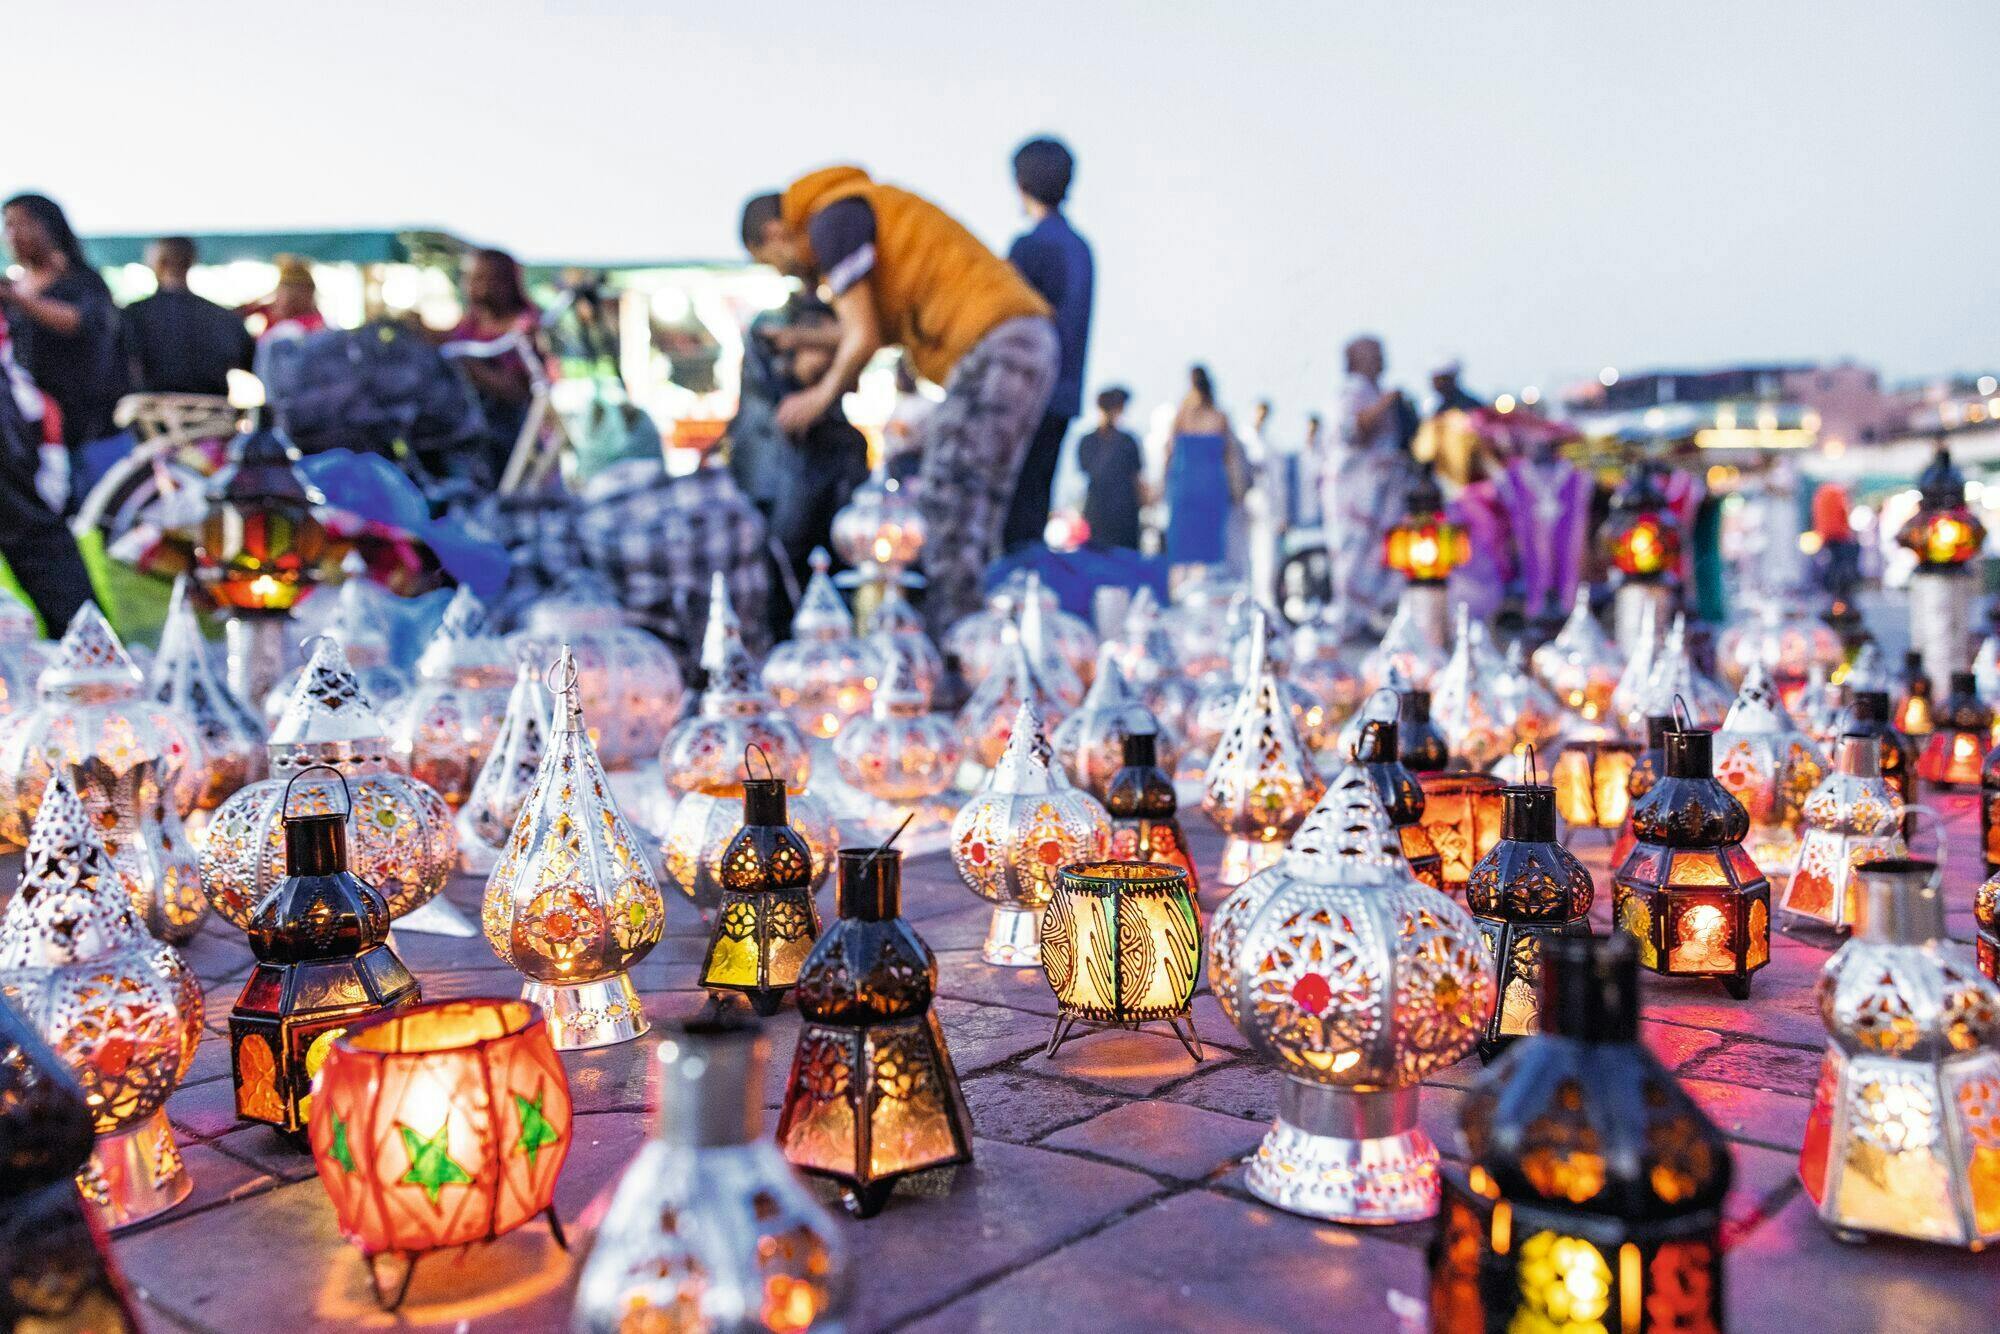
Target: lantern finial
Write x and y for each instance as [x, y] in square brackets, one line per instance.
[90, 657]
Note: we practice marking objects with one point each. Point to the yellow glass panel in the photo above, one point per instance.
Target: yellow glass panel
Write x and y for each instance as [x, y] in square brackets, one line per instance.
[734, 962]
[1565, 1286]
[1696, 869]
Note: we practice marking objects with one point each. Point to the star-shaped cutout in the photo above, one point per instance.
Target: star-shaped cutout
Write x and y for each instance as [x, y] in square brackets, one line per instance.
[536, 1132]
[431, 1163]
[341, 1152]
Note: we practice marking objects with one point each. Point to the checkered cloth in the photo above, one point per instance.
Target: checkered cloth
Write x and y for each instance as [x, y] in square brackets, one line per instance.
[656, 538]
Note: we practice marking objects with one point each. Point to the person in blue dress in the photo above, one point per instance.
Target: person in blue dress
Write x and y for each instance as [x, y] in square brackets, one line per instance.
[1205, 476]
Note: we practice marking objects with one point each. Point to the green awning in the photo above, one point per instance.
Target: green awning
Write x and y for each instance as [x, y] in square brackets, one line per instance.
[406, 246]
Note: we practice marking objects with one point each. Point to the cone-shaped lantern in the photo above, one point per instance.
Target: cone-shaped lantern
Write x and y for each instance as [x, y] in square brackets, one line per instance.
[507, 776]
[630, 684]
[1674, 676]
[820, 675]
[1090, 743]
[703, 751]
[897, 639]
[1260, 782]
[1045, 655]
[1581, 664]
[975, 638]
[230, 736]
[440, 732]
[1465, 701]
[1629, 697]
[987, 720]
[1770, 766]
[358, 624]
[1147, 656]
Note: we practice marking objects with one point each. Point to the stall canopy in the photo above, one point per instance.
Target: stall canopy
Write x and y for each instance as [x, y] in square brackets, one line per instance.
[410, 245]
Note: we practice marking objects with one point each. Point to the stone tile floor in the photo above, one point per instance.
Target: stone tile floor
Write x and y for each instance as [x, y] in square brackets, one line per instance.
[1106, 1193]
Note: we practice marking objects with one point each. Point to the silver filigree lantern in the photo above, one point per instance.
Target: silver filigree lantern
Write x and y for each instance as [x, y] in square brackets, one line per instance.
[987, 719]
[705, 749]
[1359, 982]
[1674, 675]
[572, 903]
[1047, 655]
[1146, 654]
[897, 639]
[507, 775]
[1770, 766]
[361, 610]
[1090, 743]
[975, 639]
[630, 684]
[1631, 696]
[900, 752]
[822, 674]
[1319, 667]
[1580, 665]
[1850, 818]
[1466, 703]
[230, 735]
[1260, 782]
[1215, 706]
[439, 732]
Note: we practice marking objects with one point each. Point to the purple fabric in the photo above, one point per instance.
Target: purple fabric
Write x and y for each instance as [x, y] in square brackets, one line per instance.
[1547, 546]
[1482, 581]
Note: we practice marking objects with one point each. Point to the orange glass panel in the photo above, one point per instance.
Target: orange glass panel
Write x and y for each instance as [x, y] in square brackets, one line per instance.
[1696, 868]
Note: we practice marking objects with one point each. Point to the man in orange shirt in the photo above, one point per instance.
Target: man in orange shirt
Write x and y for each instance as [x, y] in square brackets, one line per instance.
[1841, 569]
[898, 269]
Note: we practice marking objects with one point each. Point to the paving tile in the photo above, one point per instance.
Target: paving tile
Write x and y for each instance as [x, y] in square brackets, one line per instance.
[268, 1151]
[1020, 1107]
[980, 1036]
[1765, 1180]
[1247, 1089]
[1118, 1060]
[1163, 1138]
[1763, 1065]
[1753, 1115]
[207, 1110]
[967, 977]
[1675, 1046]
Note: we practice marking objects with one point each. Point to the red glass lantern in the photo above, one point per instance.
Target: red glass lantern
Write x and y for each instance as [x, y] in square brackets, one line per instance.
[1641, 536]
[1961, 738]
[1944, 531]
[441, 1126]
[1426, 546]
[261, 541]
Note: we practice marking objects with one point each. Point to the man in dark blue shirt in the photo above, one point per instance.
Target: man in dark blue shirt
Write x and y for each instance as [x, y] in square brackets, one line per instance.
[1056, 262]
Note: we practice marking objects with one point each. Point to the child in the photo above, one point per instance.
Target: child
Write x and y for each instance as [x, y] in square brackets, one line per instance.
[1110, 458]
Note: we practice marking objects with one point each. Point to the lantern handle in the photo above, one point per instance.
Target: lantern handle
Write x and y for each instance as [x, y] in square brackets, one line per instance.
[564, 667]
[757, 749]
[1937, 827]
[1534, 773]
[285, 806]
[886, 842]
[1395, 704]
[1681, 714]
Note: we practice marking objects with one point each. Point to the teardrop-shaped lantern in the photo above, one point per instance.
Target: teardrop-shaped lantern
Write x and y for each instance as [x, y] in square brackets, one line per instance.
[703, 751]
[1260, 782]
[231, 737]
[1090, 743]
[440, 731]
[506, 778]
[820, 675]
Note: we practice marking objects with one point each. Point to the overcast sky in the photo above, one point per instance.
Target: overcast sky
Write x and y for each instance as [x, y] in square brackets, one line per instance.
[1539, 188]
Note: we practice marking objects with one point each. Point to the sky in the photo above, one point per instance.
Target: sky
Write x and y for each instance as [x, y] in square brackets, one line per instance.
[1538, 189]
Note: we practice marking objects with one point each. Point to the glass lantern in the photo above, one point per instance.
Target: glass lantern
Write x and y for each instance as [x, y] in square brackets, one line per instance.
[1145, 812]
[628, 680]
[1261, 781]
[1090, 742]
[1526, 890]
[229, 736]
[1914, 714]
[736, 713]
[1986, 927]
[1121, 945]
[1961, 738]
[767, 923]
[1850, 818]
[440, 730]
[1580, 664]
[1770, 766]
[975, 639]
[899, 752]
[1146, 654]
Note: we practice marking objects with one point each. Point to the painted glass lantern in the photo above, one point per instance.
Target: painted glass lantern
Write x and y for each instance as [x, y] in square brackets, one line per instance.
[1944, 531]
[229, 736]
[820, 675]
[507, 776]
[1770, 766]
[1121, 944]
[766, 923]
[1358, 982]
[1961, 738]
[1689, 894]
[1850, 818]
[1641, 537]
[628, 680]
[439, 1126]
[900, 751]
[1465, 701]
[324, 963]
[1261, 781]
[1425, 546]
[1402, 798]
[1009, 840]
[736, 713]
[1904, 1136]
[120, 1007]
[897, 638]
[1867, 714]
[986, 721]
[1145, 812]
[703, 823]
[880, 526]
[1090, 742]
[572, 903]
[1594, 1197]
[1580, 664]
[974, 640]
[440, 731]
[873, 1099]
[356, 622]
[709, 1228]
[56, 1267]
[1525, 891]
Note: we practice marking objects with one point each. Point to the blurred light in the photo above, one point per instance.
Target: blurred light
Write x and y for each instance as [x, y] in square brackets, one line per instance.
[1609, 376]
[1725, 418]
[1655, 418]
[1504, 403]
[1531, 395]
[1809, 542]
[1976, 412]
[1988, 385]
[1835, 448]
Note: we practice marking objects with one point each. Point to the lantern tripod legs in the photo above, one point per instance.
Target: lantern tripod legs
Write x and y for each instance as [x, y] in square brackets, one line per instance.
[1182, 1026]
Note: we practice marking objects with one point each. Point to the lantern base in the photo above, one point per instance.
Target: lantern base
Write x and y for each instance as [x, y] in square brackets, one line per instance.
[1941, 599]
[437, 917]
[590, 1014]
[136, 1173]
[1181, 1025]
[1347, 1156]
[1428, 603]
[1014, 938]
[1244, 857]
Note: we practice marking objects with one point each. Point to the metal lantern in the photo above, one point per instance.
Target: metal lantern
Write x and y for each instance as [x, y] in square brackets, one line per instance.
[1820, 707]
[1145, 811]
[897, 638]
[133, 761]
[766, 923]
[1425, 547]
[1465, 700]
[1646, 771]
[1525, 891]
[702, 824]
[872, 1099]
[1090, 742]
[1215, 705]
[821, 674]
[1046, 653]
[229, 736]
[901, 751]
[1462, 818]
[986, 722]
[1592, 767]
[1867, 714]
[974, 640]
[1260, 781]
[1689, 895]
[1986, 926]
[572, 903]
[118, 1006]
[1770, 766]
[1944, 535]
[1359, 982]
[1580, 664]
[1960, 740]
[1914, 712]
[324, 964]
[1629, 697]
[1594, 1198]
[880, 527]
[513, 758]
[1787, 639]
[399, 832]
[1413, 645]
[1904, 1136]
[708, 1228]
[439, 732]
[357, 625]
[1146, 654]
[1121, 944]
[20, 654]
[56, 1267]
[1850, 818]
[1402, 798]
[1643, 543]
[736, 713]
[1319, 667]
[1009, 840]
[440, 1126]
[1674, 676]
[628, 680]
[1198, 623]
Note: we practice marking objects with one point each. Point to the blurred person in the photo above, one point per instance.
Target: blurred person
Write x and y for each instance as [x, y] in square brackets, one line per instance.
[1204, 479]
[1450, 393]
[1056, 261]
[1312, 464]
[497, 305]
[1446, 439]
[180, 343]
[902, 433]
[822, 465]
[1840, 551]
[292, 308]
[1363, 492]
[1110, 459]
[34, 541]
[899, 269]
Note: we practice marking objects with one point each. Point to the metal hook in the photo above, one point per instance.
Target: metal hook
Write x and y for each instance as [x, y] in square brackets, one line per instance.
[285, 806]
[1682, 715]
[1534, 774]
[565, 664]
[1937, 823]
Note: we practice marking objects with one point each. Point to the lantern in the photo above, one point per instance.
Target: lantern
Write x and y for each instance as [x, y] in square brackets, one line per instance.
[1960, 739]
[1986, 926]
[1009, 840]
[134, 763]
[1945, 536]
[1260, 782]
[1045, 652]
[1145, 812]
[1770, 766]
[1215, 707]
[1867, 715]
[897, 638]
[974, 640]
[1425, 546]
[627, 679]
[1689, 894]
[1198, 622]
[1674, 676]
[439, 732]
[1413, 645]
[1319, 668]
[1121, 944]
[357, 624]
[1643, 543]
[229, 736]
[1782, 635]
[986, 722]
[442, 1125]
[901, 751]
[1904, 1136]
[1580, 664]
[1914, 714]
[260, 550]
[1646, 771]
[821, 674]
[736, 713]
[1146, 654]
[324, 963]
[1820, 708]
[513, 758]
[1525, 891]
[767, 923]
[1850, 819]
[703, 823]
[118, 1006]
[880, 528]
[1594, 1199]
[20, 654]
[56, 1269]
[1528, 706]
[1359, 982]
[1465, 701]
[1593, 764]
[708, 1228]
[1090, 743]
[1629, 696]
[872, 1099]
[572, 903]
[1462, 818]
[399, 831]
[1402, 798]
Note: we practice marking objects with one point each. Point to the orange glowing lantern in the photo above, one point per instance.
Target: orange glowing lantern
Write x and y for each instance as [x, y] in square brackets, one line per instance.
[1944, 531]
[1960, 739]
[1426, 546]
[439, 1126]
[1641, 536]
